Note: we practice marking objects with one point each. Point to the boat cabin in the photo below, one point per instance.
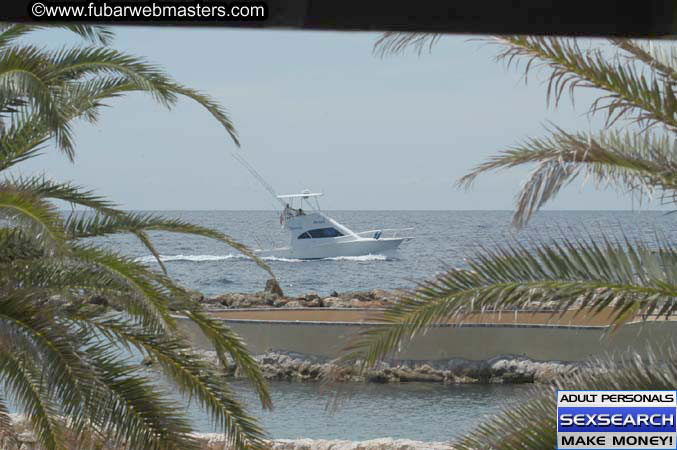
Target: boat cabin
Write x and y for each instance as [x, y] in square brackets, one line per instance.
[309, 223]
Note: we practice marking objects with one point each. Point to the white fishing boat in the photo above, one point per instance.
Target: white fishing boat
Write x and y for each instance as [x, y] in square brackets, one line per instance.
[315, 235]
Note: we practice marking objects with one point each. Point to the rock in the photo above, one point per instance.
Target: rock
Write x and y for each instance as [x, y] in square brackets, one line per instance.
[280, 302]
[314, 303]
[294, 304]
[336, 302]
[269, 298]
[311, 296]
[273, 287]
[380, 294]
[220, 300]
[413, 376]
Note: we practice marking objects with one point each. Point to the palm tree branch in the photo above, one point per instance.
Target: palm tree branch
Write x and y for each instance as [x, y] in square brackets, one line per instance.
[25, 385]
[582, 274]
[192, 376]
[573, 67]
[227, 343]
[638, 163]
[148, 302]
[80, 226]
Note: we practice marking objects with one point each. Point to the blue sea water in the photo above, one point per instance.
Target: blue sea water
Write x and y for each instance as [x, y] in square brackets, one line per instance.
[429, 412]
[441, 239]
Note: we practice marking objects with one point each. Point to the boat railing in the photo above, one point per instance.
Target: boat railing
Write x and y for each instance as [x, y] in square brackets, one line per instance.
[383, 233]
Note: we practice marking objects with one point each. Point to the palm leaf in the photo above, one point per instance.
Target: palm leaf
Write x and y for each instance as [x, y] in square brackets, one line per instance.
[640, 164]
[192, 376]
[510, 430]
[81, 226]
[24, 383]
[630, 278]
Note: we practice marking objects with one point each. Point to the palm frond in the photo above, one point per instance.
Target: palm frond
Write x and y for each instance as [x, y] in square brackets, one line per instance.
[631, 93]
[661, 61]
[636, 163]
[217, 111]
[510, 430]
[55, 360]
[147, 300]
[631, 278]
[193, 378]
[24, 383]
[227, 343]
[138, 414]
[8, 435]
[81, 226]
[98, 35]
[392, 42]
[75, 195]
[35, 216]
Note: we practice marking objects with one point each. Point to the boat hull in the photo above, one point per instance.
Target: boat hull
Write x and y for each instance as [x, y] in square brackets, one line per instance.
[360, 247]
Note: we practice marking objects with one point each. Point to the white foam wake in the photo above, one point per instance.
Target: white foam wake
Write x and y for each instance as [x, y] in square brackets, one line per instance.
[369, 257]
[194, 258]
[202, 258]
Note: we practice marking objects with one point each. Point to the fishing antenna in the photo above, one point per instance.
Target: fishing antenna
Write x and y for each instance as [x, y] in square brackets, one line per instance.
[239, 158]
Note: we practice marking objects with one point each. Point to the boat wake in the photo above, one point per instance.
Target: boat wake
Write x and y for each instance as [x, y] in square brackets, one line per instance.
[207, 258]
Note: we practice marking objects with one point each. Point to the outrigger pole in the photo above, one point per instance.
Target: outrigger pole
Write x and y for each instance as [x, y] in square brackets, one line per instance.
[239, 158]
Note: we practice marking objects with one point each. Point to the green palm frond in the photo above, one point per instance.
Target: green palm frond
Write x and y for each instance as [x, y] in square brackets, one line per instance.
[8, 436]
[392, 43]
[98, 35]
[68, 192]
[78, 389]
[638, 163]
[510, 430]
[631, 278]
[227, 343]
[26, 385]
[630, 91]
[139, 415]
[88, 225]
[659, 58]
[35, 216]
[192, 376]
[146, 300]
[217, 111]
[33, 331]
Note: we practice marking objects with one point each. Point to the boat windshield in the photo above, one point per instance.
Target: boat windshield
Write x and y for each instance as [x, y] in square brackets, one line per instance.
[321, 233]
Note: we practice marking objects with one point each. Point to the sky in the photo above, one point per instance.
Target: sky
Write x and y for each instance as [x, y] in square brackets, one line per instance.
[319, 111]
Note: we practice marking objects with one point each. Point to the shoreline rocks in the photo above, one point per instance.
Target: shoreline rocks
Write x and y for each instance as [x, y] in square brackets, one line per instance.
[273, 297]
[508, 369]
[214, 442]
[26, 440]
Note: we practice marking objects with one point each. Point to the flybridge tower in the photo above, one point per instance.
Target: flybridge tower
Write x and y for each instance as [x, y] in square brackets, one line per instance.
[315, 235]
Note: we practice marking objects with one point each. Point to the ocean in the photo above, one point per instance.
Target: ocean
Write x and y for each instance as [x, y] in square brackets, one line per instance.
[442, 239]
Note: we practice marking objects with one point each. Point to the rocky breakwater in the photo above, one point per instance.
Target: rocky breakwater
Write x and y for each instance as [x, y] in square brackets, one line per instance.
[506, 369]
[273, 297]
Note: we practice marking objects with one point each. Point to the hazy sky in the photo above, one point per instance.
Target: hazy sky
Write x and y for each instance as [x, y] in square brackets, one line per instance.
[317, 110]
